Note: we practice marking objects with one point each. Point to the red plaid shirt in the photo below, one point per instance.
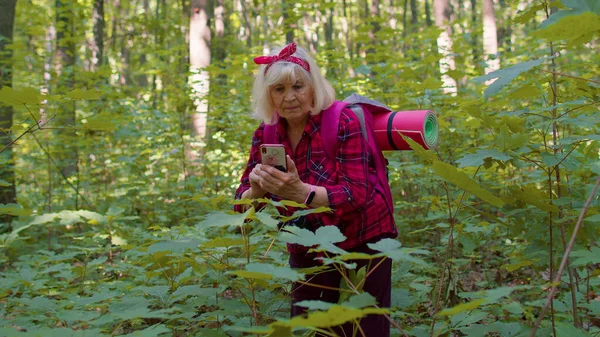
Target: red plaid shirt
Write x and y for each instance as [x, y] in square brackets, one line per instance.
[358, 209]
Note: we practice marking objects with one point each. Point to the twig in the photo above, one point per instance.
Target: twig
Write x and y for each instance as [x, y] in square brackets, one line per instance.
[563, 263]
[47, 153]
[570, 76]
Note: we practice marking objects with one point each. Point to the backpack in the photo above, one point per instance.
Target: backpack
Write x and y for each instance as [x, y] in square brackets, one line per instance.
[364, 109]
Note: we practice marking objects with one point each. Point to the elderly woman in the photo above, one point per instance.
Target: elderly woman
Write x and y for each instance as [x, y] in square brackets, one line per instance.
[291, 93]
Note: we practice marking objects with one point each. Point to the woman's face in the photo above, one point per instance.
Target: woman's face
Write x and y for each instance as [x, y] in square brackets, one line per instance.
[292, 99]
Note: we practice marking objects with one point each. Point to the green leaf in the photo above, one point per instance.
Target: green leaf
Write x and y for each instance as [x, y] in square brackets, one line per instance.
[4, 183]
[278, 272]
[392, 249]
[478, 158]
[335, 315]
[267, 220]
[152, 331]
[452, 175]
[467, 318]
[573, 26]
[174, 246]
[426, 155]
[585, 257]
[461, 307]
[566, 329]
[14, 209]
[20, 97]
[44, 218]
[506, 75]
[533, 196]
[222, 219]
[315, 305]
[550, 159]
[223, 242]
[252, 274]
[324, 237]
[360, 301]
[530, 13]
[79, 94]
[593, 218]
[100, 123]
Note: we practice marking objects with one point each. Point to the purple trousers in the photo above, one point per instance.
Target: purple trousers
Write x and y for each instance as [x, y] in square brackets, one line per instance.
[378, 284]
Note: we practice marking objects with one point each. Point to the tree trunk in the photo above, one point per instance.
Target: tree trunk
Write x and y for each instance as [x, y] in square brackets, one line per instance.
[199, 61]
[474, 38]
[427, 14]
[444, 42]
[8, 194]
[98, 41]
[414, 16]
[286, 7]
[346, 34]
[64, 68]
[490, 39]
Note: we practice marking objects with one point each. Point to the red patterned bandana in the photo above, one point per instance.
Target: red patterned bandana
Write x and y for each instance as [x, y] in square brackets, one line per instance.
[285, 55]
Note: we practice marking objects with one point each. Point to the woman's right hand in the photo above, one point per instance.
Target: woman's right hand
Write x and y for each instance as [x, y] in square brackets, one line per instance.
[256, 190]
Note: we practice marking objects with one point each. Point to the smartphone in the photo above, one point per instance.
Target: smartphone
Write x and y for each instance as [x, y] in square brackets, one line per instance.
[274, 155]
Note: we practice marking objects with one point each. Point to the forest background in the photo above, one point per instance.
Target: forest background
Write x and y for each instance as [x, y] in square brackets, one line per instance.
[125, 127]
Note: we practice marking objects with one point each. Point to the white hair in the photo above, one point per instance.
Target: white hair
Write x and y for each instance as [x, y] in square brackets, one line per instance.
[323, 93]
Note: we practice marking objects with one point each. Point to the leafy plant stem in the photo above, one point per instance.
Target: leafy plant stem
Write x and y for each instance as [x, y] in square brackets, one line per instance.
[357, 325]
[324, 287]
[63, 175]
[164, 272]
[565, 257]
[551, 249]
[556, 168]
[254, 310]
[359, 286]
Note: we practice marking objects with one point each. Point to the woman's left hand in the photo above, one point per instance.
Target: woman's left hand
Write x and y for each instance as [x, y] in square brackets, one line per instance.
[286, 185]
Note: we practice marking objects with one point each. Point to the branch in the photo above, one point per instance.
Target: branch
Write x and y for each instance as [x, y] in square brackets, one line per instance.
[570, 76]
[563, 263]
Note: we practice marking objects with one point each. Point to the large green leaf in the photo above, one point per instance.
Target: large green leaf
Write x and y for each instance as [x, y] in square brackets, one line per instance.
[151, 331]
[393, 249]
[222, 219]
[268, 271]
[19, 97]
[585, 257]
[576, 29]
[324, 238]
[505, 76]
[174, 246]
[452, 175]
[14, 209]
[533, 196]
[478, 158]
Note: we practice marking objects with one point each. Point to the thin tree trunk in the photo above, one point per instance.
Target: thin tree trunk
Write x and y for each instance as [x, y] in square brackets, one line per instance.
[288, 26]
[329, 28]
[64, 68]
[98, 40]
[427, 14]
[444, 42]
[414, 16]
[474, 38]
[490, 39]
[199, 61]
[8, 192]
[346, 33]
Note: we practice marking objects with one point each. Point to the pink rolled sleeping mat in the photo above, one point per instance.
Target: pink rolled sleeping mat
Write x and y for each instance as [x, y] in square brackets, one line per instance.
[419, 125]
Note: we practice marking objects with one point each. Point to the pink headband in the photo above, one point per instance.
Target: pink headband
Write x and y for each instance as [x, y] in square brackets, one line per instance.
[285, 55]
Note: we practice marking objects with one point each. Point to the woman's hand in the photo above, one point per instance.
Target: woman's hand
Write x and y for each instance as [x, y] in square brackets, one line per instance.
[286, 185]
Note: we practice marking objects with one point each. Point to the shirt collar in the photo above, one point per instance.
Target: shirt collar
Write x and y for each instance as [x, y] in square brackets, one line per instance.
[312, 125]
